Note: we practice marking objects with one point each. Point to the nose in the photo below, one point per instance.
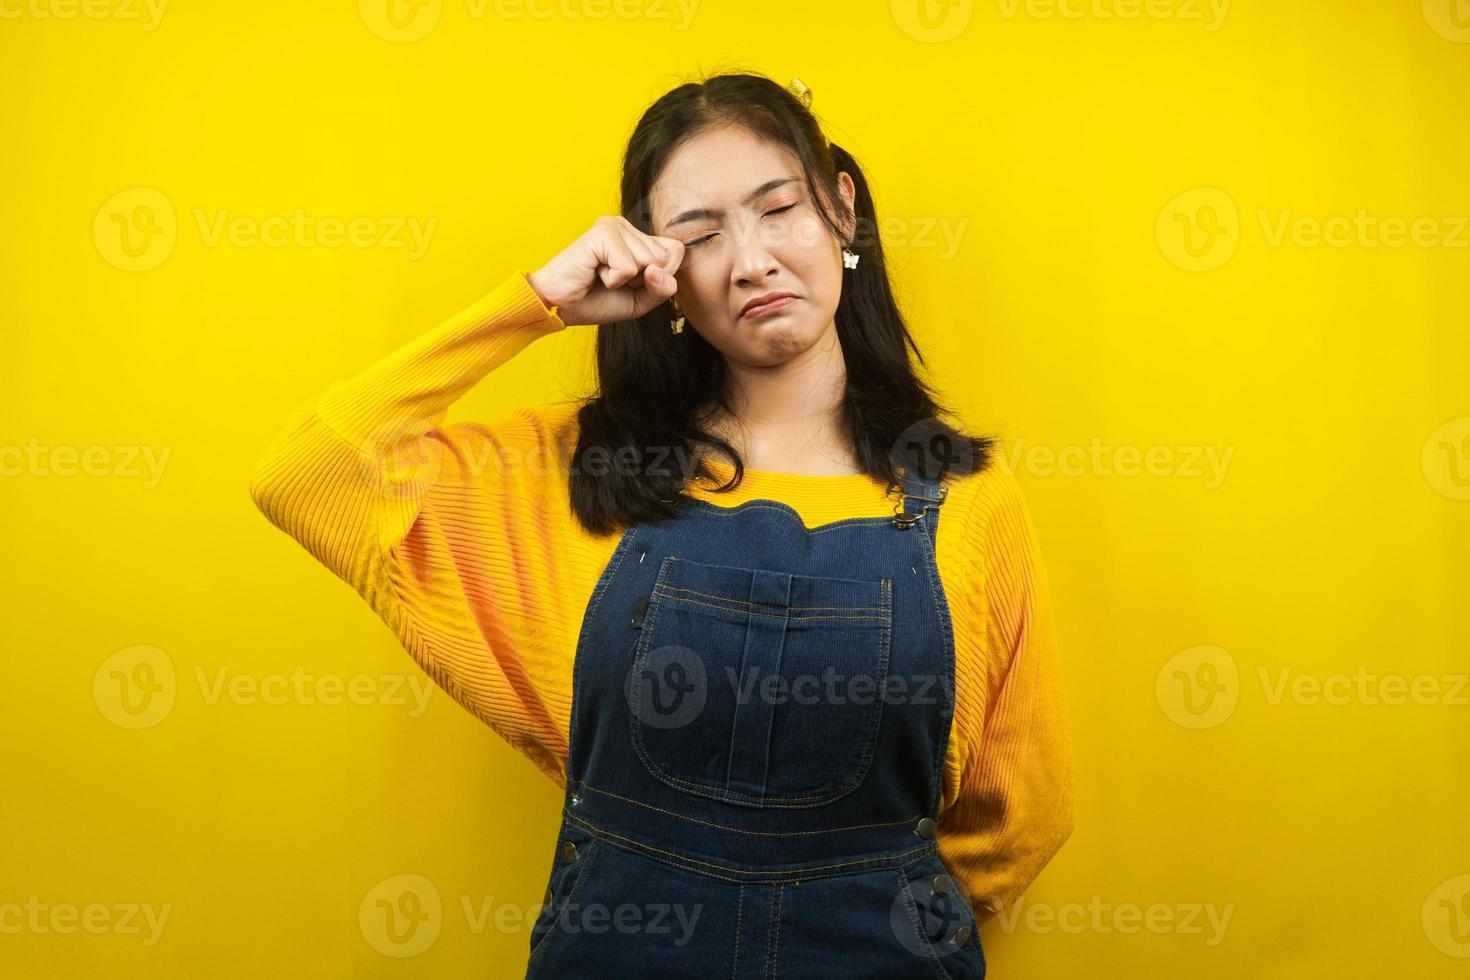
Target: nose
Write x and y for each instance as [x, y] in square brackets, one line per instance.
[754, 261]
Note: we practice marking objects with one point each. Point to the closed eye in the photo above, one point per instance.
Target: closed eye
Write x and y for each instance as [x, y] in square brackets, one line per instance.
[701, 241]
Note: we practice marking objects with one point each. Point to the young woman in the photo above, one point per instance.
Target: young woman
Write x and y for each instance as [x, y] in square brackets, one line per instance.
[781, 632]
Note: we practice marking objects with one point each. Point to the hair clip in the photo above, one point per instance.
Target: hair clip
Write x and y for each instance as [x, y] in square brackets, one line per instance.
[802, 93]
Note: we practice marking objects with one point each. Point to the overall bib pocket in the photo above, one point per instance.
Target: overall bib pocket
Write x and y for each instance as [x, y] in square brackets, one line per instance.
[759, 687]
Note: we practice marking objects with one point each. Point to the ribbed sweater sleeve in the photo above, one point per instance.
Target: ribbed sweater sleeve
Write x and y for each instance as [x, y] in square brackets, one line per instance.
[1014, 807]
[436, 525]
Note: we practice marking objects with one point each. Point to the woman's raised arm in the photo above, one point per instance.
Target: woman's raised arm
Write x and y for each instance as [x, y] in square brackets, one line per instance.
[347, 474]
[458, 535]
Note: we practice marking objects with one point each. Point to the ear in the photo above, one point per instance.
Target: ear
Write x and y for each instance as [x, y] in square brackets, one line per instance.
[848, 190]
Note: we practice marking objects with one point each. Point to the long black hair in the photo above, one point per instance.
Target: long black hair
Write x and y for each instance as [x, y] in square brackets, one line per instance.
[636, 439]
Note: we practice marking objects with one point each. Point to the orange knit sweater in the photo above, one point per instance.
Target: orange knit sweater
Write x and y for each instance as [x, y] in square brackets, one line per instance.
[461, 537]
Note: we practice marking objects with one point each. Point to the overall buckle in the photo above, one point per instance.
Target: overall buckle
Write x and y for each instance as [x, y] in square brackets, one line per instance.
[904, 520]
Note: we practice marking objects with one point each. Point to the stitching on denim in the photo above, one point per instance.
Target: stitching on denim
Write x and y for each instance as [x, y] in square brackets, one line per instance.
[743, 602]
[603, 583]
[875, 717]
[702, 789]
[663, 594]
[686, 862]
[730, 749]
[773, 937]
[640, 659]
[754, 833]
[739, 913]
[765, 783]
[947, 652]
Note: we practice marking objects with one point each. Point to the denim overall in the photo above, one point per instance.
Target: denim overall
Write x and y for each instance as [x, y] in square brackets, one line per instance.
[760, 713]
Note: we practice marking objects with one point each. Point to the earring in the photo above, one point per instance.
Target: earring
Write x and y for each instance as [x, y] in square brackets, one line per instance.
[849, 259]
[676, 325]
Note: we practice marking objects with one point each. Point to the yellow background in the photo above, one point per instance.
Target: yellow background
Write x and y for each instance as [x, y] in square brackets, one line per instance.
[1066, 150]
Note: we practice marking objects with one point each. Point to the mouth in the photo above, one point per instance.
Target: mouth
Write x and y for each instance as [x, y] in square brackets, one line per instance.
[767, 307]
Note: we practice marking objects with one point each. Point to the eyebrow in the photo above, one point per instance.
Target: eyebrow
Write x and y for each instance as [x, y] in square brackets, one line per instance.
[699, 213]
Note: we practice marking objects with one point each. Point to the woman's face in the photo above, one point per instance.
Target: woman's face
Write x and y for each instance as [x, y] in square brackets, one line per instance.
[740, 205]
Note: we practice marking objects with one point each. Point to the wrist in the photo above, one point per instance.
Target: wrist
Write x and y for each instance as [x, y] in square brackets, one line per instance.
[538, 286]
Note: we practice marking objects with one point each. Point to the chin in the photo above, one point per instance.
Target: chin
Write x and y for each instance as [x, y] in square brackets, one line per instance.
[775, 342]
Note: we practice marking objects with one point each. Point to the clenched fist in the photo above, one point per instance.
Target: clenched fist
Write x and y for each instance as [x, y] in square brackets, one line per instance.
[612, 272]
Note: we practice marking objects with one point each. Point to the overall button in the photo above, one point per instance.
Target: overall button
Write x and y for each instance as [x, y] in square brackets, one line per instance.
[569, 852]
[927, 828]
[940, 885]
[962, 936]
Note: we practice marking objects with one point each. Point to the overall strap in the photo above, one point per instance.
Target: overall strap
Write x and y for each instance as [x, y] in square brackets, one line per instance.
[921, 494]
